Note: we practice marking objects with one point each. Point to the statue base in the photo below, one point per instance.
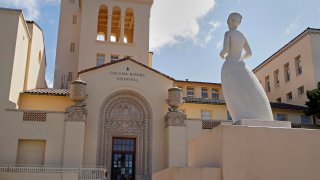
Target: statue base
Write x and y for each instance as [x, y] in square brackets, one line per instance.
[260, 123]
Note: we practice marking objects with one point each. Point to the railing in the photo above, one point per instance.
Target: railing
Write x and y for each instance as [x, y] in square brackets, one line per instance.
[210, 124]
[305, 126]
[84, 173]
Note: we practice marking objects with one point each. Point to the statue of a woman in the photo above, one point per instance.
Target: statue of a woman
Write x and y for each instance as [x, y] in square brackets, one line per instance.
[244, 95]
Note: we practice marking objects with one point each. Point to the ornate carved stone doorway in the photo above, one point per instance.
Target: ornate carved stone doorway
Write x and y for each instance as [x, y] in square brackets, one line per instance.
[128, 115]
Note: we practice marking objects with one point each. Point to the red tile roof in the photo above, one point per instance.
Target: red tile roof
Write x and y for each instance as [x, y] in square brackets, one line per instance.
[55, 92]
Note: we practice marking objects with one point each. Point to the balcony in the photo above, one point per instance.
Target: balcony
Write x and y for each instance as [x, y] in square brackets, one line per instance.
[51, 172]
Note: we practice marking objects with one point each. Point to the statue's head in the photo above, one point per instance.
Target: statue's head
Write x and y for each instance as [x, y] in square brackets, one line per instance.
[234, 20]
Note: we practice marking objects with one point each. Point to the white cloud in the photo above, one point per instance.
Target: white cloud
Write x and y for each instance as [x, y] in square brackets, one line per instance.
[219, 45]
[204, 38]
[31, 8]
[293, 25]
[173, 21]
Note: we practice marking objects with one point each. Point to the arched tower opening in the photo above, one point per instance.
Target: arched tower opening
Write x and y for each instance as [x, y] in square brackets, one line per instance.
[129, 26]
[102, 29]
[116, 24]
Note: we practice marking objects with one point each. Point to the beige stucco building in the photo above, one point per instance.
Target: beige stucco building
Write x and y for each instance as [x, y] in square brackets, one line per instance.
[124, 127]
[291, 71]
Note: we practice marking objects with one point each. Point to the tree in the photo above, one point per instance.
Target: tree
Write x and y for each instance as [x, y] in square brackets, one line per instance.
[313, 103]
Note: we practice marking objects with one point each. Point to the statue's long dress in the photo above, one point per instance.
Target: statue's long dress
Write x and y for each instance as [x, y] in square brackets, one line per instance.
[243, 93]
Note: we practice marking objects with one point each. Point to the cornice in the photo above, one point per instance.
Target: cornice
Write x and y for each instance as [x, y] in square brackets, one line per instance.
[282, 50]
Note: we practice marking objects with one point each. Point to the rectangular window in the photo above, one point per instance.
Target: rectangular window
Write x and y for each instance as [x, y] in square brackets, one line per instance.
[282, 117]
[214, 94]
[286, 69]
[64, 82]
[70, 76]
[289, 96]
[278, 100]
[267, 85]
[204, 92]
[298, 65]
[190, 91]
[100, 59]
[206, 114]
[74, 19]
[276, 78]
[114, 58]
[72, 47]
[31, 152]
[305, 119]
[301, 90]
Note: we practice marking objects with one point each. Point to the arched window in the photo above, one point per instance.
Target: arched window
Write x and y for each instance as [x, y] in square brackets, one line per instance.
[101, 36]
[116, 23]
[102, 28]
[129, 25]
[113, 38]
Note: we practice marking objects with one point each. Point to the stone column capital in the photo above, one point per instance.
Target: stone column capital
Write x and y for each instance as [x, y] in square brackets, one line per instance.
[76, 113]
[175, 118]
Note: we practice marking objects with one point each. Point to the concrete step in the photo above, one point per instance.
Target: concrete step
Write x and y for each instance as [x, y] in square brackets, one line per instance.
[188, 173]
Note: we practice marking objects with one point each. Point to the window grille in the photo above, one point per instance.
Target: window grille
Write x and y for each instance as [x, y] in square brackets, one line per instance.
[206, 124]
[34, 117]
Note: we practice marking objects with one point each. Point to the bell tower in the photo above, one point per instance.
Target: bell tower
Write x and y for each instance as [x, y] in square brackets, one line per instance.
[95, 32]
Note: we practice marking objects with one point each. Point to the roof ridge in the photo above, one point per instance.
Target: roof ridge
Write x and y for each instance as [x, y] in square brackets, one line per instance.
[122, 60]
[284, 47]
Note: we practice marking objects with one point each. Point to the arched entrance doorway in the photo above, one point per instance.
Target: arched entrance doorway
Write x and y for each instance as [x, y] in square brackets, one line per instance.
[125, 136]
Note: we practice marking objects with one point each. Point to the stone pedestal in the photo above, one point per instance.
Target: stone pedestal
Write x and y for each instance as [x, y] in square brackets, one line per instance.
[260, 123]
[74, 136]
[175, 118]
[176, 139]
[75, 125]
[244, 152]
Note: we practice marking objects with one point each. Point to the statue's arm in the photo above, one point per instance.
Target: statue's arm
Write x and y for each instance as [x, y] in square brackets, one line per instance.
[225, 49]
[247, 49]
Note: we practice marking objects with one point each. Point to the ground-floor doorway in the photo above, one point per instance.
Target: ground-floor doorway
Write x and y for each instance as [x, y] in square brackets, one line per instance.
[123, 158]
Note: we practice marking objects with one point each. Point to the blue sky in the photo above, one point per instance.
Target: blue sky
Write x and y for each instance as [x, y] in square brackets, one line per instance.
[186, 35]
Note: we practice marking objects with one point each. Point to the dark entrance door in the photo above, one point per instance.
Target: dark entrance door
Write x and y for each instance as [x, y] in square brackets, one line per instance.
[123, 158]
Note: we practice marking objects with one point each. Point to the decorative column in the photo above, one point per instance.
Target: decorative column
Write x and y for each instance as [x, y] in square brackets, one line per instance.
[108, 38]
[75, 125]
[175, 130]
[122, 27]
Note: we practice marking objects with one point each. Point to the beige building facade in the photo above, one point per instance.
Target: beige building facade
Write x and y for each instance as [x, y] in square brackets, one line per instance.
[110, 115]
[290, 72]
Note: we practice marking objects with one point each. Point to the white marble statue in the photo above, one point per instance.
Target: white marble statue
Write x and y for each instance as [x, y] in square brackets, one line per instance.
[244, 95]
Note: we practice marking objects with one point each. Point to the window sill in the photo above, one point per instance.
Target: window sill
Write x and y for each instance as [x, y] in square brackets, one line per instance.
[301, 95]
[115, 43]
